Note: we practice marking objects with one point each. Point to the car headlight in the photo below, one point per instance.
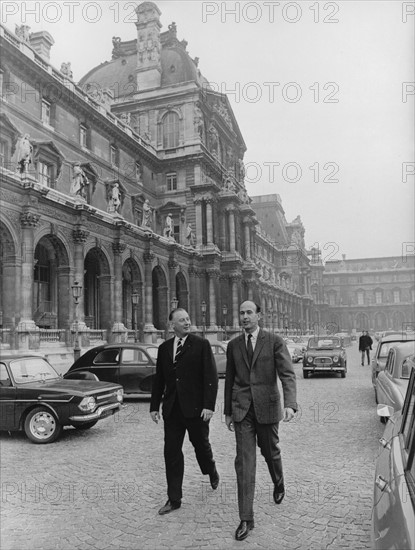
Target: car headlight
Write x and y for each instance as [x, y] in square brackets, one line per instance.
[310, 359]
[87, 404]
[335, 359]
[120, 395]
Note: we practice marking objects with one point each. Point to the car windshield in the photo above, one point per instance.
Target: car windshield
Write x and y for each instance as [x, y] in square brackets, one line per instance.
[324, 343]
[32, 369]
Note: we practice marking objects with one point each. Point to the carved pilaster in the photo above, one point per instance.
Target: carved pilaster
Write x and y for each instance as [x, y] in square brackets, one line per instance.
[29, 219]
[80, 235]
[118, 248]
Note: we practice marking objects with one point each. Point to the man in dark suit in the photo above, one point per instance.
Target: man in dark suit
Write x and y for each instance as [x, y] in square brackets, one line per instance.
[365, 345]
[187, 382]
[255, 360]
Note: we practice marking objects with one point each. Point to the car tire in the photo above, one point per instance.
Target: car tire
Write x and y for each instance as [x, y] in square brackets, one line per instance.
[383, 419]
[343, 374]
[84, 425]
[305, 374]
[41, 426]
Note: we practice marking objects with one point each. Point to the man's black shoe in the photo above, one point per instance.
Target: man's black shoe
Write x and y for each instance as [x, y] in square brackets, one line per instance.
[214, 479]
[243, 529]
[279, 494]
[169, 507]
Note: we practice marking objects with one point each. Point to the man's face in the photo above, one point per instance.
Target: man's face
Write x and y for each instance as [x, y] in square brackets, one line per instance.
[249, 317]
[181, 323]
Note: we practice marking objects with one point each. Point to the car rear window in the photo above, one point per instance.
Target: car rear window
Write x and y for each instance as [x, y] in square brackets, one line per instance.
[134, 357]
[107, 356]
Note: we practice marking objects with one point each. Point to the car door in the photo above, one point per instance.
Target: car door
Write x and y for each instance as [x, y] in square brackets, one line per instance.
[106, 366]
[137, 370]
[7, 400]
[384, 381]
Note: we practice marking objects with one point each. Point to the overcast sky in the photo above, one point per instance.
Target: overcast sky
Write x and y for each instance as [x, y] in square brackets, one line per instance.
[323, 93]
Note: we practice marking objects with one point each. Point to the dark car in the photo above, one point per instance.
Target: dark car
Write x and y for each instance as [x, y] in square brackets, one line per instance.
[393, 515]
[36, 399]
[131, 365]
[385, 343]
[325, 354]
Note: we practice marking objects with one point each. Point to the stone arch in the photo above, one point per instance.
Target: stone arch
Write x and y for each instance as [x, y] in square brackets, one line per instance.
[380, 321]
[160, 298]
[398, 320]
[362, 321]
[97, 290]
[9, 278]
[182, 291]
[132, 282]
[51, 283]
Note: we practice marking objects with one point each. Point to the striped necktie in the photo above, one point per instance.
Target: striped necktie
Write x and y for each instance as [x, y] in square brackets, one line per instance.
[178, 349]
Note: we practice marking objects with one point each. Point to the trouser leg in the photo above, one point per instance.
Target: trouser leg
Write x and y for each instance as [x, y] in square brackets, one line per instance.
[268, 440]
[174, 431]
[245, 464]
[368, 356]
[198, 431]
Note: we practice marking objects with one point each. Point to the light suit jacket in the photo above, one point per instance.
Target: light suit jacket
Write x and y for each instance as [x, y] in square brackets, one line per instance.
[258, 384]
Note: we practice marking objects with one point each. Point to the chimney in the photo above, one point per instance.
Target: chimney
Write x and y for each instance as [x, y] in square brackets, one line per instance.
[42, 42]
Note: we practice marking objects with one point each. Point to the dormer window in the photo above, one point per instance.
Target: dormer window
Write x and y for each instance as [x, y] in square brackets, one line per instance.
[83, 136]
[114, 155]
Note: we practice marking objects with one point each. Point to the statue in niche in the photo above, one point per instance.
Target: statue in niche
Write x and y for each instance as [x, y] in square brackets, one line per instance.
[126, 118]
[198, 121]
[114, 202]
[168, 227]
[213, 141]
[23, 153]
[190, 236]
[228, 184]
[79, 182]
[147, 214]
[241, 169]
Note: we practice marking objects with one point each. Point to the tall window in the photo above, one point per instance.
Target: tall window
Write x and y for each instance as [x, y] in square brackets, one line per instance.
[396, 296]
[360, 298]
[171, 180]
[45, 174]
[171, 130]
[46, 111]
[114, 155]
[83, 136]
[3, 153]
[332, 299]
[378, 296]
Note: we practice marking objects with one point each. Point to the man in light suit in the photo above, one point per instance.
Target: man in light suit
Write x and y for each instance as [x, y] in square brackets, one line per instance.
[187, 382]
[255, 360]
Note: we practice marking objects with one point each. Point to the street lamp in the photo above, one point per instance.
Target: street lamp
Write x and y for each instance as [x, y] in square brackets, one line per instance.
[76, 293]
[174, 303]
[269, 319]
[225, 313]
[135, 299]
[203, 308]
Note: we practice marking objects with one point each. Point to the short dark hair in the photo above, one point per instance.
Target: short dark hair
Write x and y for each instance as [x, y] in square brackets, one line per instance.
[173, 311]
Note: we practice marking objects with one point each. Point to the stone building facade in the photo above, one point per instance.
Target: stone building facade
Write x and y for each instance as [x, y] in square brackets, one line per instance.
[131, 183]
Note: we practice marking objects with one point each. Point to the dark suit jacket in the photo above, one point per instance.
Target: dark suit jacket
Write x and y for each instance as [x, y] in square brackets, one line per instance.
[365, 342]
[258, 384]
[194, 378]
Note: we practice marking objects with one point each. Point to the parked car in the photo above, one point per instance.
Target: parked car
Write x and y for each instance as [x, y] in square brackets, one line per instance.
[325, 354]
[133, 365]
[392, 382]
[381, 353]
[345, 337]
[36, 399]
[393, 516]
[295, 350]
[219, 353]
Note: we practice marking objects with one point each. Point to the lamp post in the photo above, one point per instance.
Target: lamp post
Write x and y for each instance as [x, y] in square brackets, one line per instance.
[225, 313]
[174, 303]
[203, 309]
[135, 299]
[76, 293]
[269, 315]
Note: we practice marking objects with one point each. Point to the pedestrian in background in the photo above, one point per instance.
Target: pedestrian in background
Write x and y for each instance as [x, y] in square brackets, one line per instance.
[365, 345]
[186, 381]
[255, 361]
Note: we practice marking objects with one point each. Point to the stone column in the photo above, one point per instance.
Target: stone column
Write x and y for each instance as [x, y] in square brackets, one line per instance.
[199, 227]
[213, 274]
[235, 280]
[209, 221]
[173, 265]
[222, 237]
[119, 331]
[192, 297]
[148, 291]
[11, 291]
[247, 241]
[79, 237]
[231, 230]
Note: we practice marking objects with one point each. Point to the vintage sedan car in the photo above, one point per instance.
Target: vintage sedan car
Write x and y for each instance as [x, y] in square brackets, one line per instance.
[295, 349]
[381, 352]
[325, 354]
[393, 516]
[392, 382]
[133, 365]
[36, 399]
[219, 353]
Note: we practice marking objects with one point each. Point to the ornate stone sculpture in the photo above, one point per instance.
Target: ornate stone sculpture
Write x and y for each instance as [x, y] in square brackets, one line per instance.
[66, 69]
[213, 140]
[198, 121]
[23, 153]
[147, 214]
[114, 202]
[168, 227]
[190, 236]
[23, 32]
[79, 182]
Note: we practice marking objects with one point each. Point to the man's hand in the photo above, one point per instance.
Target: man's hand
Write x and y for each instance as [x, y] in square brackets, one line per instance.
[155, 416]
[206, 414]
[289, 414]
[229, 423]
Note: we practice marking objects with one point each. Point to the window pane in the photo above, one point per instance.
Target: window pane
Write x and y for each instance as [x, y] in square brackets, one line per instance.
[171, 131]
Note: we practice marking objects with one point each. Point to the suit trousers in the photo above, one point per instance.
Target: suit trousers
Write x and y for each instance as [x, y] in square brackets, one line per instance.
[247, 433]
[175, 426]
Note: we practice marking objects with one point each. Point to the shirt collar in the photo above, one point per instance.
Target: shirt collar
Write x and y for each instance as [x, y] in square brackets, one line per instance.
[254, 334]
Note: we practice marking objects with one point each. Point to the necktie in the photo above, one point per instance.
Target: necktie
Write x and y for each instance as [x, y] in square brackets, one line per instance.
[178, 349]
[250, 349]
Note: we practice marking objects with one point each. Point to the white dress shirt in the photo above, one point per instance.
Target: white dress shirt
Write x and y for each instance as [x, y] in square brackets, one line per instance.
[253, 339]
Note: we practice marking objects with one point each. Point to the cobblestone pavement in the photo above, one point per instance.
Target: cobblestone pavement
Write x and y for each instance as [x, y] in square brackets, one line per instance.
[102, 488]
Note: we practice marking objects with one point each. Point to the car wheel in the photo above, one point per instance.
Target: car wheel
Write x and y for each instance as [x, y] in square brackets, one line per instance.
[343, 374]
[84, 425]
[383, 419]
[42, 426]
[305, 374]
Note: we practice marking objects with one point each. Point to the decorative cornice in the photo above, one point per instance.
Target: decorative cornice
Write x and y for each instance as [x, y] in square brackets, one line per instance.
[80, 235]
[29, 219]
